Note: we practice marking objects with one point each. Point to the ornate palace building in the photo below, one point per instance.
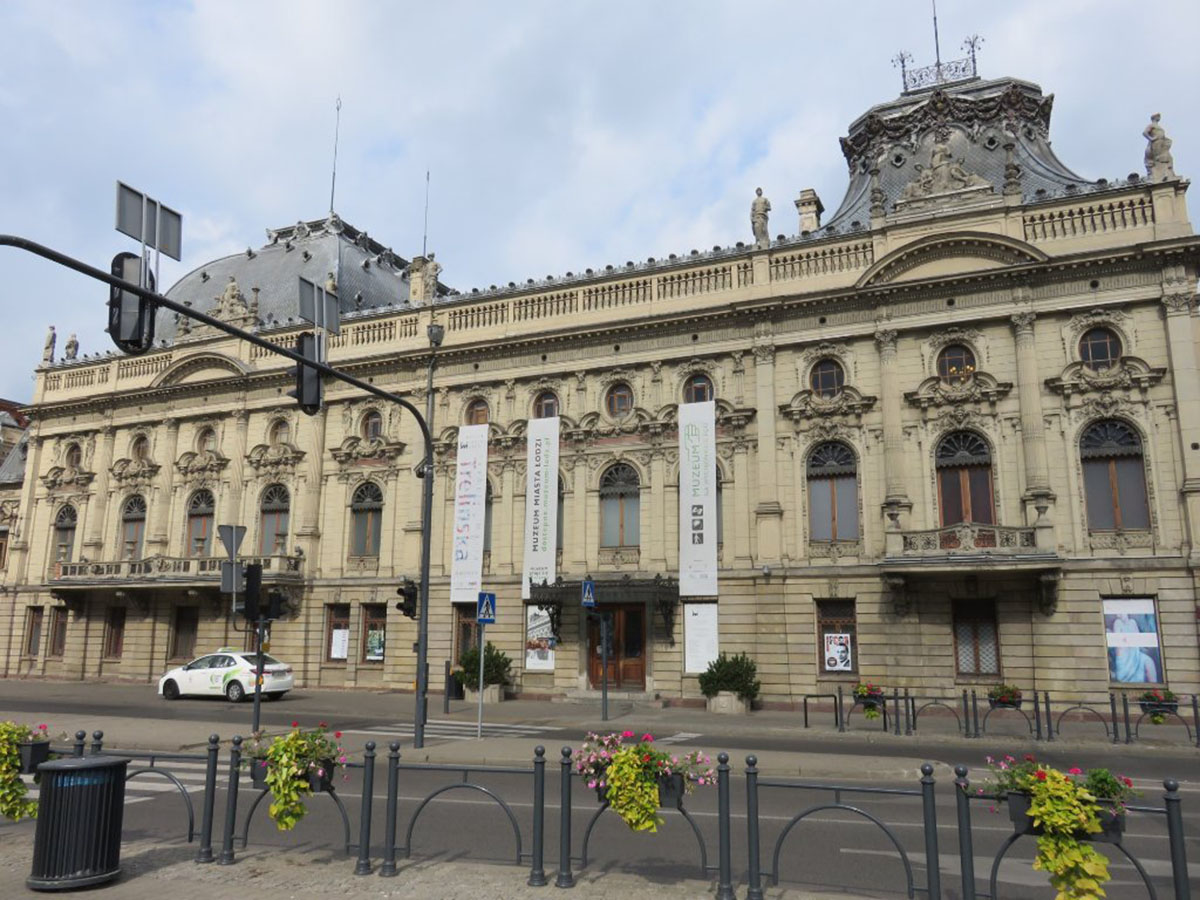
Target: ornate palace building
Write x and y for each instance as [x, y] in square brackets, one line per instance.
[958, 442]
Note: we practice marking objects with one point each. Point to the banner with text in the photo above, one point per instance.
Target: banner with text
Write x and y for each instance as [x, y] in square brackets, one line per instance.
[541, 503]
[470, 500]
[697, 500]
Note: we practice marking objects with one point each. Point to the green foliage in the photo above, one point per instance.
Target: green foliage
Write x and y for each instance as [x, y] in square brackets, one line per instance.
[735, 674]
[1065, 809]
[496, 665]
[632, 791]
[1104, 785]
[13, 801]
[872, 698]
[291, 758]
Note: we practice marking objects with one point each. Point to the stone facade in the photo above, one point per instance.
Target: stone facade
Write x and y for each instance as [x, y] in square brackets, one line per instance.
[1001, 355]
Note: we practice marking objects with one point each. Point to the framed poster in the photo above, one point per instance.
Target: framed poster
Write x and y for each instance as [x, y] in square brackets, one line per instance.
[838, 652]
[373, 652]
[339, 643]
[1131, 636]
[699, 636]
[539, 640]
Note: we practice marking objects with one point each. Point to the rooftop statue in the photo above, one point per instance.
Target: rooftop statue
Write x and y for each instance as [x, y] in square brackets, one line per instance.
[760, 208]
[48, 348]
[72, 347]
[944, 175]
[1160, 165]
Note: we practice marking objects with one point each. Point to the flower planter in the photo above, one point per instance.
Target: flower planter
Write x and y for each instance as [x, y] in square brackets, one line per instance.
[33, 754]
[1004, 704]
[1159, 706]
[1112, 825]
[872, 701]
[492, 693]
[727, 703]
[258, 774]
[671, 790]
[321, 778]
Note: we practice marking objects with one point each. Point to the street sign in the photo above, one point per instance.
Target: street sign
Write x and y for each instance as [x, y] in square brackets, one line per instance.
[589, 593]
[319, 306]
[231, 536]
[145, 219]
[486, 613]
[232, 576]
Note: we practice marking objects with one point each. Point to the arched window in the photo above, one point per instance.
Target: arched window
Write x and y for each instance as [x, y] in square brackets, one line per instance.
[133, 527]
[558, 524]
[206, 441]
[487, 520]
[832, 493]
[279, 433]
[697, 389]
[620, 507]
[372, 426]
[1114, 477]
[546, 405]
[477, 412]
[74, 457]
[273, 521]
[64, 533]
[964, 469]
[827, 378]
[955, 365]
[200, 523]
[619, 400]
[140, 451]
[366, 509]
[1100, 348]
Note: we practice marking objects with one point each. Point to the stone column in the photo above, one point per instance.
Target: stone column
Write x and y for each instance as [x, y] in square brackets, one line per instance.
[575, 534]
[161, 508]
[658, 514]
[94, 540]
[1178, 306]
[504, 550]
[768, 512]
[310, 487]
[1033, 433]
[895, 497]
[741, 504]
[233, 513]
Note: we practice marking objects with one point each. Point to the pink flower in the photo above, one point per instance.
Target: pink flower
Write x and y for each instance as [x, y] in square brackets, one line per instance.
[43, 727]
[1075, 771]
[320, 773]
[592, 784]
[295, 724]
[700, 780]
[627, 734]
[648, 738]
[342, 759]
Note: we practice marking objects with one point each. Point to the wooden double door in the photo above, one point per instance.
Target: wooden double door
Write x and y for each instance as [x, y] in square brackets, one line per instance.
[626, 646]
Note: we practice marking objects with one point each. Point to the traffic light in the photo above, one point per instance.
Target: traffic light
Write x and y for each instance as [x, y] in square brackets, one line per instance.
[130, 317]
[274, 604]
[308, 391]
[408, 592]
[253, 589]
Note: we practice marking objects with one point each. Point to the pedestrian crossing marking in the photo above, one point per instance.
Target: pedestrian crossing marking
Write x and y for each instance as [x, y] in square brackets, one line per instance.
[450, 729]
[681, 737]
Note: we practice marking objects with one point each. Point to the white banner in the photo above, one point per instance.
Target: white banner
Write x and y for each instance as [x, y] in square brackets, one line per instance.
[539, 640]
[470, 499]
[541, 502]
[697, 500]
[700, 641]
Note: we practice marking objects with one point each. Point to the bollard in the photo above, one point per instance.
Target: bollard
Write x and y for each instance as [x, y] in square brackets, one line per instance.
[1049, 721]
[97, 742]
[388, 869]
[80, 738]
[754, 891]
[1125, 711]
[908, 722]
[565, 878]
[235, 763]
[1112, 703]
[932, 863]
[1179, 866]
[725, 860]
[537, 871]
[966, 852]
[205, 854]
[840, 718]
[975, 712]
[896, 711]
[1037, 717]
[966, 715]
[363, 866]
[446, 690]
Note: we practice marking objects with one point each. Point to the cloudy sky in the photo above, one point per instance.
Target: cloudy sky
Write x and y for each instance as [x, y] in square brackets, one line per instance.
[560, 134]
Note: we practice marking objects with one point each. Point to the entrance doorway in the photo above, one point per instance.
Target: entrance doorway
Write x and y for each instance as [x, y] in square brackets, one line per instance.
[626, 647]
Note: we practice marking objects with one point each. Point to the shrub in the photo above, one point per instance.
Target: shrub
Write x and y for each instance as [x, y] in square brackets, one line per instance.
[731, 673]
[496, 665]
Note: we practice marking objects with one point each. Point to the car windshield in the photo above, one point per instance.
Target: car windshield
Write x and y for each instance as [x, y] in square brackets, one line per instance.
[268, 659]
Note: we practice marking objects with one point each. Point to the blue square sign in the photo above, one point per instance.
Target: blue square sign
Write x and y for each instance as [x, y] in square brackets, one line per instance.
[589, 593]
[485, 613]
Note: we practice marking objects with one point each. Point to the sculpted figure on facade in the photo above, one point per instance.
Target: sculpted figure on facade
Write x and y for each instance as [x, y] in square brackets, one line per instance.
[760, 209]
[944, 174]
[48, 347]
[72, 347]
[1160, 165]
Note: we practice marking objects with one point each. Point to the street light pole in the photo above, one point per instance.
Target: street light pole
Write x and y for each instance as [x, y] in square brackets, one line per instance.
[436, 333]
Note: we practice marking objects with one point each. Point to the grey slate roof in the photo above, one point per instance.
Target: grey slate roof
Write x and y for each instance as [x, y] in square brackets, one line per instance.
[12, 470]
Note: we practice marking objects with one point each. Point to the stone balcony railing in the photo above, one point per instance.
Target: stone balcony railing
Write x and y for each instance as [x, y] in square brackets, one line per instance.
[968, 538]
[201, 570]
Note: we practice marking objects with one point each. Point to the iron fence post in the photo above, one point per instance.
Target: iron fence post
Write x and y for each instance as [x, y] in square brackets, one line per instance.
[754, 891]
[363, 866]
[841, 719]
[933, 872]
[724, 858]
[1049, 721]
[446, 690]
[97, 742]
[966, 850]
[1112, 704]
[1196, 718]
[80, 739]
[966, 715]
[1125, 715]
[908, 723]
[1179, 867]
[1037, 716]
[205, 854]
[537, 871]
[235, 764]
[565, 878]
[388, 869]
[896, 711]
[975, 712]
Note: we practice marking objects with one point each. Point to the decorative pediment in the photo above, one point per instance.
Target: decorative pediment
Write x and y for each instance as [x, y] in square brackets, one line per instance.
[980, 387]
[62, 477]
[134, 472]
[200, 367]
[808, 405]
[357, 450]
[950, 254]
[944, 182]
[1127, 374]
[202, 466]
[272, 459]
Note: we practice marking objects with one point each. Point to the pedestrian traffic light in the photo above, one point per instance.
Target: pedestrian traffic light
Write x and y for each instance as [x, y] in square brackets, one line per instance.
[130, 316]
[309, 390]
[408, 592]
[253, 589]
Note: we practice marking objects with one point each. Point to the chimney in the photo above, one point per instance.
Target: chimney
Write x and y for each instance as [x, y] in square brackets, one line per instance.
[810, 207]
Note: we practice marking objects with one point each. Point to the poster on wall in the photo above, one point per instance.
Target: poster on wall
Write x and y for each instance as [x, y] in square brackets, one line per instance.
[697, 500]
[837, 653]
[1131, 635]
[539, 640]
[339, 643]
[700, 640]
[541, 503]
[373, 648]
[470, 504]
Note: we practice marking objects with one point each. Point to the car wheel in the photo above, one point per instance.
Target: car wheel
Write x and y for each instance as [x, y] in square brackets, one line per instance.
[235, 692]
[170, 691]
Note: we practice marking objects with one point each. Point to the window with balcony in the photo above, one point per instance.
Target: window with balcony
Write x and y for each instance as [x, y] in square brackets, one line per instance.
[618, 402]
[133, 527]
[114, 633]
[273, 521]
[620, 507]
[832, 493]
[964, 475]
[545, 406]
[477, 412]
[976, 645]
[64, 533]
[366, 514]
[1100, 348]
[955, 365]
[698, 389]
[58, 632]
[1114, 477]
[34, 616]
[201, 507]
[827, 379]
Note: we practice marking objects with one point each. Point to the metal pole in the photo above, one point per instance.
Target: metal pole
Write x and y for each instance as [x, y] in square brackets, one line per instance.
[1196, 717]
[975, 712]
[258, 675]
[1179, 866]
[235, 762]
[388, 869]
[565, 879]
[1037, 715]
[966, 715]
[604, 667]
[420, 711]
[1049, 721]
[1112, 704]
[537, 869]
[895, 711]
[932, 864]
[966, 850]
[205, 854]
[1125, 710]
[363, 866]
[754, 890]
[446, 691]
[907, 717]
[725, 860]
[80, 737]
[479, 722]
[841, 720]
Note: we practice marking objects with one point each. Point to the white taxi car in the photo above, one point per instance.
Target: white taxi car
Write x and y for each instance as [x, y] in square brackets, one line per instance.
[229, 673]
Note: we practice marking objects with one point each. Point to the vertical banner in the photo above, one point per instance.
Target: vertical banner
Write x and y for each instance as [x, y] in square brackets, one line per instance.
[470, 498]
[697, 500]
[541, 502]
[539, 640]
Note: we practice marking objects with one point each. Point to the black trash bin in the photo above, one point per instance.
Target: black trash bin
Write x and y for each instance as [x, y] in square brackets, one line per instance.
[81, 806]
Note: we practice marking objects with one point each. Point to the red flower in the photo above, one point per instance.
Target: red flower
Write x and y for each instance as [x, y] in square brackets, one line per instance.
[295, 724]
[338, 735]
[1076, 771]
[646, 758]
[1128, 781]
[1041, 774]
[1028, 757]
[322, 724]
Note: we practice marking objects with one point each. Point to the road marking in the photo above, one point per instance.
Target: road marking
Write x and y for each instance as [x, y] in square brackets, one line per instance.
[681, 737]
[452, 730]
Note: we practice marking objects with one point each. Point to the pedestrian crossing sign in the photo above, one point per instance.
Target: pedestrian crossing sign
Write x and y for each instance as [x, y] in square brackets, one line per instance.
[486, 611]
[589, 592]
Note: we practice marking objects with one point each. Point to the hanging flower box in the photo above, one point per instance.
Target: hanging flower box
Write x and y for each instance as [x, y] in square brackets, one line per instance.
[320, 777]
[258, 774]
[33, 754]
[1112, 822]
[1004, 696]
[1005, 704]
[671, 790]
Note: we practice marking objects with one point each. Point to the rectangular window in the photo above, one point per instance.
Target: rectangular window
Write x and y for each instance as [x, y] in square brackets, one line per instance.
[183, 638]
[33, 630]
[1131, 493]
[1097, 488]
[374, 631]
[273, 534]
[58, 632]
[976, 643]
[366, 524]
[200, 535]
[833, 509]
[466, 629]
[114, 632]
[337, 632]
[837, 637]
[3, 550]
